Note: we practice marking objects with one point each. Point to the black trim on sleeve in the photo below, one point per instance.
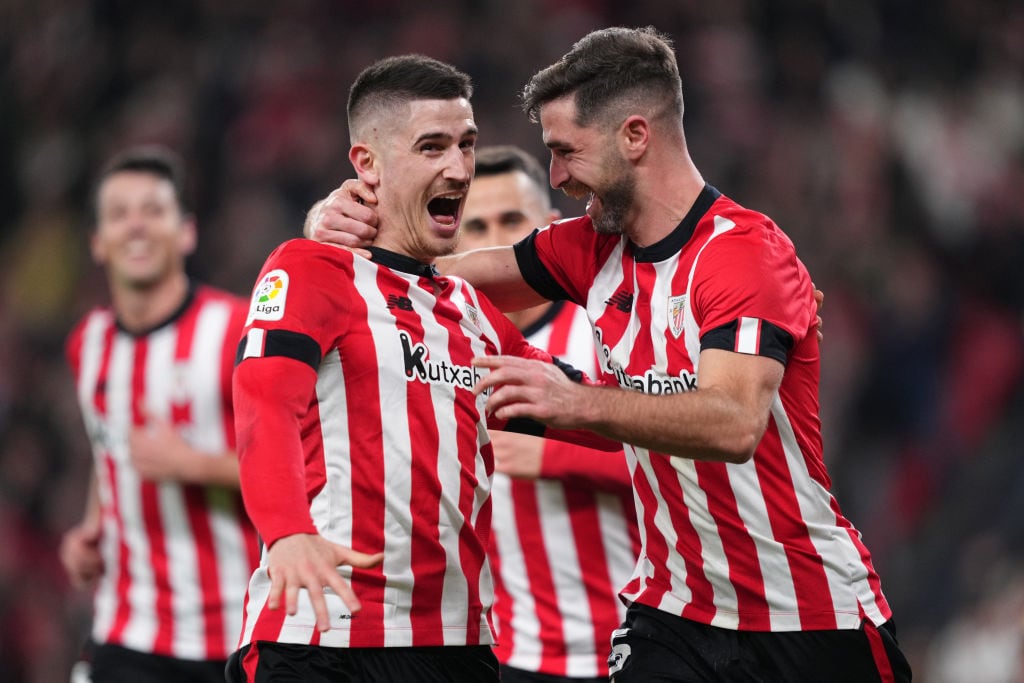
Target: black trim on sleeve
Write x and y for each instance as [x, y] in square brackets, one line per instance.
[534, 271]
[571, 372]
[286, 344]
[775, 342]
[525, 425]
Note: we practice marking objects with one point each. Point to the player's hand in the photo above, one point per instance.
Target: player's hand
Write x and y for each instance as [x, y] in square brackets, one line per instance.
[532, 389]
[310, 561]
[80, 554]
[158, 451]
[819, 298]
[347, 217]
[517, 455]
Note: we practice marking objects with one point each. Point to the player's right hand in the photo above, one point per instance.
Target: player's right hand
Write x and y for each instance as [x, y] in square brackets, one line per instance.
[311, 561]
[80, 554]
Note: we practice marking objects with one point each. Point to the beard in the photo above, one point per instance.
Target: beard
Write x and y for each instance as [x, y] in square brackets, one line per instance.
[616, 204]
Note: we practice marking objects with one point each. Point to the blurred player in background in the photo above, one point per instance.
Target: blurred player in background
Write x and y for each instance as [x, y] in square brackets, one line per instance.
[164, 539]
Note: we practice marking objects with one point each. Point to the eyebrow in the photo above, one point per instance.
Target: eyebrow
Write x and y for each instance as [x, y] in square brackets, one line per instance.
[438, 135]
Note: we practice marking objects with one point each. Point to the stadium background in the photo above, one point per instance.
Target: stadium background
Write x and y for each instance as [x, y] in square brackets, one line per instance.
[885, 136]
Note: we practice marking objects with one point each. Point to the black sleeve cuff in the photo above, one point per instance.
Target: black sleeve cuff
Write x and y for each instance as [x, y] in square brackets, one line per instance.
[534, 271]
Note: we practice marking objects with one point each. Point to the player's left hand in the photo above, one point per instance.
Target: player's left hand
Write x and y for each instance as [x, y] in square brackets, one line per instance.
[158, 451]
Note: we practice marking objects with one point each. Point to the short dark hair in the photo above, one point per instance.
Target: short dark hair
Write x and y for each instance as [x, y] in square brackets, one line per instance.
[609, 69]
[156, 160]
[499, 159]
[404, 78]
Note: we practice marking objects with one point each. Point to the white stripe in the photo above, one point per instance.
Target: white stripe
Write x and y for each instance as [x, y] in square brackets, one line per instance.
[254, 343]
[212, 334]
[526, 652]
[140, 630]
[397, 565]
[104, 602]
[844, 569]
[780, 592]
[747, 335]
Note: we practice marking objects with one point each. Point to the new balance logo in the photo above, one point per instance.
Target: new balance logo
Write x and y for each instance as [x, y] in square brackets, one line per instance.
[622, 301]
[403, 303]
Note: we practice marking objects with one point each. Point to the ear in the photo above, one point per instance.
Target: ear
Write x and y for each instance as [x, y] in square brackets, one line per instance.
[188, 239]
[634, 136]
[364, 160]
[96, 248]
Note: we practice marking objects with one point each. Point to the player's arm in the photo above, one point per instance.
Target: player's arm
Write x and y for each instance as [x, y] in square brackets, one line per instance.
[527, 457]
[722, 420]
[79, 547]
[271, 396]
[160, 453]
[347, 217]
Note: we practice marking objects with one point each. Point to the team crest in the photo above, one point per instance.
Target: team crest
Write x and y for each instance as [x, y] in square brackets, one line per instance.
[473, 315]
[676, 314]
[269, 296]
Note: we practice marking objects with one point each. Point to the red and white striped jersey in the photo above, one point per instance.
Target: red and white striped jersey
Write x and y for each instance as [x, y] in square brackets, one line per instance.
[176, 555]
[758, 546]
[369, 362]
[562, 547]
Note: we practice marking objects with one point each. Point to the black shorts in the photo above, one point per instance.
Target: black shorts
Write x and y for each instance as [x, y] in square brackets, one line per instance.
[653, 645]
[512, 675]
[281, 662]
[116, 664]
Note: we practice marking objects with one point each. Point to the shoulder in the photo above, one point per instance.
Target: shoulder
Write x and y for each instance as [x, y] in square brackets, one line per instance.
[99, 316]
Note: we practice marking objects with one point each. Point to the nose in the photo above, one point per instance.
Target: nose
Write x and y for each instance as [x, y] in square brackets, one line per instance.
[557, 173]
[458, 166]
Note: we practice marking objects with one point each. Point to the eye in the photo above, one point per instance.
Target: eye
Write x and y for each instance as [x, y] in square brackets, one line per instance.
[474, 226]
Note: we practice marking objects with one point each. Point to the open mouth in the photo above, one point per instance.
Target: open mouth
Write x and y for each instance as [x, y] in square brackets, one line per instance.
[444, 210]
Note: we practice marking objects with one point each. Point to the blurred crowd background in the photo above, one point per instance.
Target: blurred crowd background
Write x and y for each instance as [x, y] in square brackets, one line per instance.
[885, 136]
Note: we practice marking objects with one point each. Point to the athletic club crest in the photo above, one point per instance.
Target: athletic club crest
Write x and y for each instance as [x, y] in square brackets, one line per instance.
[473, 315]
[676, 314]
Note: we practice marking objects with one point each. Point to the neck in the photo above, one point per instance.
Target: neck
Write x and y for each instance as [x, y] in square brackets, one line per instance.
[142, 308]
[665, 193]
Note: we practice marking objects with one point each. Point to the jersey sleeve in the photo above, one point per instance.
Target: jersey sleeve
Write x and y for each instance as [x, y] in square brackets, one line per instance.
[559, 261]
[750, 293]
[297, 301]
[605, 471]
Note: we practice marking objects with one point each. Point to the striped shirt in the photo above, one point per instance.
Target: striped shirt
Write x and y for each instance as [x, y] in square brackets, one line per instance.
[762, 545]
[176, 555]
[565, 543]
[369, 362]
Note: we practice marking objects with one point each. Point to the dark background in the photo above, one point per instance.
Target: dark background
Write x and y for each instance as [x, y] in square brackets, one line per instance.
[885, 136]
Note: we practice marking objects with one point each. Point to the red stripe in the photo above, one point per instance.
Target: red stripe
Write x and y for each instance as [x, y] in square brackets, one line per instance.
[366, 433]
[503, 602]
[592, 558]
[196, 503]
[123, 612]
[810, 583]
[538, 569]
[688, 543]
[740, 550]
[251, 661]
[878, 653]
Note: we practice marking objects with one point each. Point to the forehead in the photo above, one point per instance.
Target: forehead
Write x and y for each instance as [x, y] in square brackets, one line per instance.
[123, 186]
[558, 121]
[439, 118]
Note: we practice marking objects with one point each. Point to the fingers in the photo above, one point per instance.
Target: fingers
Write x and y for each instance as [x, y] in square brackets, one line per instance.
[359, 190]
